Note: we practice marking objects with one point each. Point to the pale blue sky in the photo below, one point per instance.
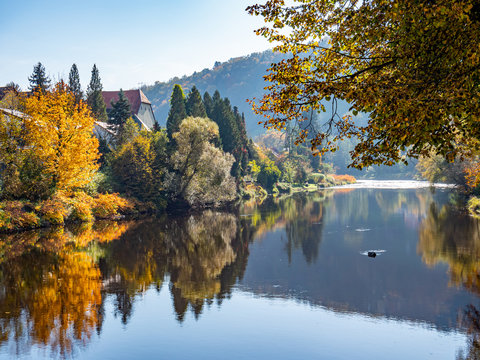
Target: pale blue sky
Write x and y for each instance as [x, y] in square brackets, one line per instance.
[131, 42]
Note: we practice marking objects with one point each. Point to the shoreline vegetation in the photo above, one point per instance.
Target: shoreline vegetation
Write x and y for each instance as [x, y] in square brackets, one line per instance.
[81, 209]
[58, 169]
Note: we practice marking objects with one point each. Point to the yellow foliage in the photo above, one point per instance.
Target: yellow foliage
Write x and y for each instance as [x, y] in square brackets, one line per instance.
[81, 204]
[60, 134]
[54, 210]
[108, 205]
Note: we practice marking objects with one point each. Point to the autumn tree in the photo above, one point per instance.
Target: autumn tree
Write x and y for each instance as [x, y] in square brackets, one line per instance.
[74, 83]
[13, 99]
[177, 111]
[39, 81]
[95, 97]
[59, 133]
[194, 104]
[413, 67]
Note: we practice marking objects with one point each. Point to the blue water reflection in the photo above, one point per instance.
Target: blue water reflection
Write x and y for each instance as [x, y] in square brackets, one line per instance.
[282, 279]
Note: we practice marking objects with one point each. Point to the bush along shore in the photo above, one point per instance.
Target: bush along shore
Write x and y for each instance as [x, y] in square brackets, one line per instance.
[60, 209]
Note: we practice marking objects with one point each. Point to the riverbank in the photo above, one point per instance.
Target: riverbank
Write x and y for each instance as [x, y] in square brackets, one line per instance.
[62, 209]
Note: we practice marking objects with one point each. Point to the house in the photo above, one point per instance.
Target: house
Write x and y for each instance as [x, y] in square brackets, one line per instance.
[141, 107]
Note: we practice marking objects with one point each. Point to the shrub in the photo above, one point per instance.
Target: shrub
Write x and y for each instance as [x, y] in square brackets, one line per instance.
[315, 178]
[108, 205]
[474, 206]
[284, 188]
[81, 204]
[54, 210]
[344, 179]
[330, 179]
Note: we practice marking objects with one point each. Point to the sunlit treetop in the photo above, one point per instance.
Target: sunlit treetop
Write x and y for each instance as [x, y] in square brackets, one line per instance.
[412, 65]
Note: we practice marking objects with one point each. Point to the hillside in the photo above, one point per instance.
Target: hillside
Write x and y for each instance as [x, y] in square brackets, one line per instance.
[238, 79]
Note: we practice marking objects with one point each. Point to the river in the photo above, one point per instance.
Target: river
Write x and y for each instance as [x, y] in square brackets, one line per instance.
[289, 278]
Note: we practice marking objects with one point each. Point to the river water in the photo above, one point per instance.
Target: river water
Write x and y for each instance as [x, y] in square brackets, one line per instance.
[289, 278]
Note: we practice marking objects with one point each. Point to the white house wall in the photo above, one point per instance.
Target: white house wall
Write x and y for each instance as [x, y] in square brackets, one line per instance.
[146, 114]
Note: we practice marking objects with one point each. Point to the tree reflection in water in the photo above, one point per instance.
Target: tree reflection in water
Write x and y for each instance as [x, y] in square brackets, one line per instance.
[300, 215]
[50, 292]
[53, 283]
[449, 236]
[200, 252]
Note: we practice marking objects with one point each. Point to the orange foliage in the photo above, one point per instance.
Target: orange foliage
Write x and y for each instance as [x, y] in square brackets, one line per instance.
[65, 307]
[344, 178]
[108, 205]
[472, 174]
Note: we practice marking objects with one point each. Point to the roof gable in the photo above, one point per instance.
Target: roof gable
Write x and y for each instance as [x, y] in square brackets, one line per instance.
[135, 98]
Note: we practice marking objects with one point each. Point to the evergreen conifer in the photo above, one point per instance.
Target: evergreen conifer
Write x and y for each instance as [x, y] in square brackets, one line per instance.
[120, 110]
[74, 83]
[194, 104]
[95, 98]
[39, 81]
[177, 110]
[208, 104]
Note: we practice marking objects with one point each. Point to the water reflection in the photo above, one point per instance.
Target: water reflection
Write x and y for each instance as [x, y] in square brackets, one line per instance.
[199, 252]
[50, 293]
[55, 283]
[449, 236]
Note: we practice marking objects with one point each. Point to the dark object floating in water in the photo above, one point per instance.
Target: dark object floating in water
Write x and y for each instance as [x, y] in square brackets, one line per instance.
[373, 253]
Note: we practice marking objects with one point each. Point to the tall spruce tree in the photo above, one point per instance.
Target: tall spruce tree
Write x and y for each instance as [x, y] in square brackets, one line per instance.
[95, 98]
[39, 81]
[74, 83]
[194, 104]
[232, 131]
[177, 111]
[208, 104]
[120, 110]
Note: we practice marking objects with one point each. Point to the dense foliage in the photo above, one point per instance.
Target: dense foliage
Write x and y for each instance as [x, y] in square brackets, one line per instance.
[50, 149]
[412, 66]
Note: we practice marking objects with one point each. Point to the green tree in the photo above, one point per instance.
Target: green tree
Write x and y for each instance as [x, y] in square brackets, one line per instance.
[268, 175]
[39, 81]
[74, 83]
[177, 110]
[139, 164]
[194, 104]
[200, 171]
[95, 97]
[208, 104]
[120, 111]
[412, 66]
[232, 131]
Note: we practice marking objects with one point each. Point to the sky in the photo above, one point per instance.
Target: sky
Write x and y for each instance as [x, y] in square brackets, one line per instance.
[131, 42]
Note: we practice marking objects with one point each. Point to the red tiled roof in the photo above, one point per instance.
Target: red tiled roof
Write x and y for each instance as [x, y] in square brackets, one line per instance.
[135, 97]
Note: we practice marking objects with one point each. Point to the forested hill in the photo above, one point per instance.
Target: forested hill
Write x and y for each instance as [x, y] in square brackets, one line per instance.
[238, 79]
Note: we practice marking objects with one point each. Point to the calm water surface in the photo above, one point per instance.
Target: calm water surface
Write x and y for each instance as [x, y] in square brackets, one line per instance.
[285, 279]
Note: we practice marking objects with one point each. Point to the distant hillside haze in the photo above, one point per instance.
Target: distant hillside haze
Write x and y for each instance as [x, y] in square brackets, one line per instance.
[238, 79]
